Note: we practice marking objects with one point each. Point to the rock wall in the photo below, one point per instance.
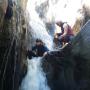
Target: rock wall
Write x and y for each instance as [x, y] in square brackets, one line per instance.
[12, 47]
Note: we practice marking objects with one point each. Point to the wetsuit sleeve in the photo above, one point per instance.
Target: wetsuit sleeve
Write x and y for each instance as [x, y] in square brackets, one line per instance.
[46, 49]
[33, 48]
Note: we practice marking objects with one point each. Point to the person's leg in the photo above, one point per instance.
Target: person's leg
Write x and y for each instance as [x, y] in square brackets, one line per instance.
[65, 40]
[61, 40]
[71, 37]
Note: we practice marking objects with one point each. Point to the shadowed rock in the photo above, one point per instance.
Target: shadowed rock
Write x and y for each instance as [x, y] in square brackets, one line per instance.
[12, 47]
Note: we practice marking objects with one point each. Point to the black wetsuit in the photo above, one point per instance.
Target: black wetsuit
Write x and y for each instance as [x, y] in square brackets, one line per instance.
[37, 51]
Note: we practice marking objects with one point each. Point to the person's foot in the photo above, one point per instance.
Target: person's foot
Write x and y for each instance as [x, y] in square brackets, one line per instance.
[65, 45]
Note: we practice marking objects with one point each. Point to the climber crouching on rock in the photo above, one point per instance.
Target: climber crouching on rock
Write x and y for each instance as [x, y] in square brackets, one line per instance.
[39, 50]
[66, 34]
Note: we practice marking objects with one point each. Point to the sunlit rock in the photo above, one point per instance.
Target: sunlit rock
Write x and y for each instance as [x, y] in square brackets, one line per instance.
[3, 8]
[23, 4]
[78, 24]
[81, 43]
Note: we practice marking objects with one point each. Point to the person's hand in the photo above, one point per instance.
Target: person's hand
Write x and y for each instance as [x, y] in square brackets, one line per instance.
[56, 36]
[45, 54]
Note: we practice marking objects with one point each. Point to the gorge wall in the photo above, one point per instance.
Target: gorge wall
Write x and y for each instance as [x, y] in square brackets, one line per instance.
[12, 44]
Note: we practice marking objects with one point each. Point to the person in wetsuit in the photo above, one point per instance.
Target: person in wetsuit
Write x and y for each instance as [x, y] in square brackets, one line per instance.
[38, 50]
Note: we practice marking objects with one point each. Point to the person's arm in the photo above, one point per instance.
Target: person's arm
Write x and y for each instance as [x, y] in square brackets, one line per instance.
[46, 51]
[33, 48]
[57, 31]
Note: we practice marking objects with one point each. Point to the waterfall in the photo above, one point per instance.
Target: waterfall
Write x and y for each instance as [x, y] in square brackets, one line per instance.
[35, 78]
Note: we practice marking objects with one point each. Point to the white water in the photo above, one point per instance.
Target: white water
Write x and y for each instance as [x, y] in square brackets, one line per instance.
[35, 78]
[36, 24]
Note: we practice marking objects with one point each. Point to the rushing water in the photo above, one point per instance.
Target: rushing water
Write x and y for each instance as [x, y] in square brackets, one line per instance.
[35, 78]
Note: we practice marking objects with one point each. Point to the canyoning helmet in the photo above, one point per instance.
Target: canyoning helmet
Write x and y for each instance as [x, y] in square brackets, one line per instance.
[39, 40]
